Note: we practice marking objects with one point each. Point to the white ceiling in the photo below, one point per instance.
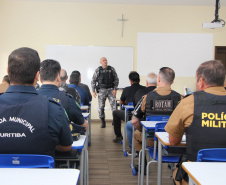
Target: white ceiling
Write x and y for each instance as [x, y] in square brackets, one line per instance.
[150, 2]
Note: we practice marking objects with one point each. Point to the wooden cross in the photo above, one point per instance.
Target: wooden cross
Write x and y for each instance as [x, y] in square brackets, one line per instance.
[122, 20]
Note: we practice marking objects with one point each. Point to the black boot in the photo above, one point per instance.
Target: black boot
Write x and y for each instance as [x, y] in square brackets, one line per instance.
[103, 123]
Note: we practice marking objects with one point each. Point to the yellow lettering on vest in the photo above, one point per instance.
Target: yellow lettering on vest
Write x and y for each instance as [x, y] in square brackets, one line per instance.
[219, 124]
[211, 116]
[222, 115]
[211, 123]
[204, 115]
[205, 123]
[216, 117]
[223, 123]
[214, 125]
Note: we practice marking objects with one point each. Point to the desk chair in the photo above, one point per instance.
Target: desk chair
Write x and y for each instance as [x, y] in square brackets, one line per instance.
[159, 127]
[26, 161]
[128, 113]
[148, 118]
[212, 155]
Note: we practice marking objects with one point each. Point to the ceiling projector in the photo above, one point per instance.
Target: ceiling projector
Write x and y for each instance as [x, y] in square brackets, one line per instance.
[217, 22]
[212, 25]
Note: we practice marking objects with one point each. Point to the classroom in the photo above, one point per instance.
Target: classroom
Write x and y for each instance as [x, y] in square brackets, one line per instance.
[42, 24]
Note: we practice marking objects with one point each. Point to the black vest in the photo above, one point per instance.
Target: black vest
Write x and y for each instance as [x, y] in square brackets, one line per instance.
[24, 128]
[208, 128]
[105, 78]
[161, 105]
[64, 98]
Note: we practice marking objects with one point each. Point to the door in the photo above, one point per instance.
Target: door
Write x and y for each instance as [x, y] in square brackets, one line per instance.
[220, 54]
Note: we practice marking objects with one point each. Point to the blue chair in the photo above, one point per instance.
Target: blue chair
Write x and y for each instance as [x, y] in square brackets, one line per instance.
[212, 155]
[159, 127]
[26, 161]
[157, 118]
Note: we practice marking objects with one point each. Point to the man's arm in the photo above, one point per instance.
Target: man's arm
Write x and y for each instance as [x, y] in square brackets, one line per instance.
[75, 114]
[123, 97]
[138, 114]
[116, 79]
[174, 140]
[85, 124]
[181, 118]
[136, 123]
[58, 124]
[94, 80]
[63, 148]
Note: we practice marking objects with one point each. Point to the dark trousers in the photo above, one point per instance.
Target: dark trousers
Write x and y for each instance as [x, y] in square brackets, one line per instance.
[118, 115]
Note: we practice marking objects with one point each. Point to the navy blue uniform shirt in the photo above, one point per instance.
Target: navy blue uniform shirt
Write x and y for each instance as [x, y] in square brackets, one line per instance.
[74, 112]
[82, 92]
[58, 128]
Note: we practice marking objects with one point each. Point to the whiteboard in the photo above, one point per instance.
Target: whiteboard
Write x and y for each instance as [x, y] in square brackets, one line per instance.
[183, 52]
[86, 59]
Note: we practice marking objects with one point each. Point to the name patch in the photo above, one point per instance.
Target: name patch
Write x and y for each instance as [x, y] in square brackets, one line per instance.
[163, 105]
[12, 135]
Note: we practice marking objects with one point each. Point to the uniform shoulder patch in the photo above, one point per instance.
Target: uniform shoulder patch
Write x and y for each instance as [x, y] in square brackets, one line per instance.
[54, 100]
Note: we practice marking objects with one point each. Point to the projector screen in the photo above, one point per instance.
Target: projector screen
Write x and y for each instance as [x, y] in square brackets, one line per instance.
[183, 52]
[87, 58]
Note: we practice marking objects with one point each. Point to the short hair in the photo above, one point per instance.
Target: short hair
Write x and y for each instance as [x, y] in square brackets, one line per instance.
[151, 78]
[6, 79]
[49, 70]
[23, 65]
[76, 72]
[63, 75]
[212, 72]
[134, 76]
[167, 74]
[75, 78]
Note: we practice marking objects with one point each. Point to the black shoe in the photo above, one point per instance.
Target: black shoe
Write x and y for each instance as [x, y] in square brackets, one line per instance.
[103, 123]
[117, 139]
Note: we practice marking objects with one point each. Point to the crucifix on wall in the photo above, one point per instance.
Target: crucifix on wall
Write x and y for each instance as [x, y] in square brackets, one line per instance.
[122, 20]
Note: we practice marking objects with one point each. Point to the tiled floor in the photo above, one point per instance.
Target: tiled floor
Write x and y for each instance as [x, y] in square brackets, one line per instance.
[107, 164]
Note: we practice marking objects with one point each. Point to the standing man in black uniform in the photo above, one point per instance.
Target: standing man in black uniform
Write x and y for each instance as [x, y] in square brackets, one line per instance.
[105, 82]
[50, 78]
[30, 123]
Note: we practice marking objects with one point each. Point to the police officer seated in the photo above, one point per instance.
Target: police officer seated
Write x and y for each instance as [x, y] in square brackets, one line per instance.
[64, 86]
[50, 78]
[161, 101]
[31, 123]
[202, 114]
[75, 80]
